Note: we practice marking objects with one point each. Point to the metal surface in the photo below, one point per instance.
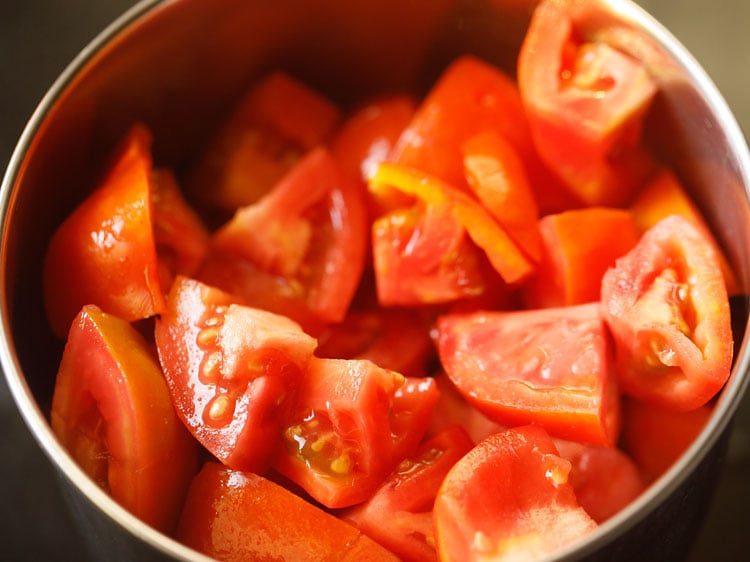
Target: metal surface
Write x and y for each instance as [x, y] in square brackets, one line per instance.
[89, 135]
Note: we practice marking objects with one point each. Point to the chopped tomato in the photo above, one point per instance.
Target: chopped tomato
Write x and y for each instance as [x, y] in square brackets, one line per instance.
[668, 310]
[508, 499]
[586, 102]
[497, 176]
[182, 240]
[367, 137]
[112, 411]
[394, 339]
[656, 437]
[604, 479]
[399, 514]
[579, 246]
[271, 128]
[353, 424]
[232, 371]
[664, 195]
[422, 255]
[505, 256]
[104, 253]
[548, 366]
[237, 516]
[309, 230]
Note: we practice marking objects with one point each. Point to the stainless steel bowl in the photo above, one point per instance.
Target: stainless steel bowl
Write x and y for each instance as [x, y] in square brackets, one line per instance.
[177, 65]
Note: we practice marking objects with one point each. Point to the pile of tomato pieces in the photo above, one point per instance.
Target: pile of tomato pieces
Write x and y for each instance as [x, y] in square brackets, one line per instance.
[459, 328]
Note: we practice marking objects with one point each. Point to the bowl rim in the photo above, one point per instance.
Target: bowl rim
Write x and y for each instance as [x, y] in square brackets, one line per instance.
[36, 420]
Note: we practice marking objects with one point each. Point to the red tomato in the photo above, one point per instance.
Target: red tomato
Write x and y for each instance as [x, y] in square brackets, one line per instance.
[394, 339]
[309, 230]
[505, 256]
[585, 101]
[656, 438]
[238, 516]
[667, 308]
[112, 411]
[182, 240]
[104, 252]
[578, 248]
[354, 423]
[274, 124]
[497, 176]
[231, 371]
[604, 479]
[422, 255]
[548, 366]
[399, 514]
[508, 499]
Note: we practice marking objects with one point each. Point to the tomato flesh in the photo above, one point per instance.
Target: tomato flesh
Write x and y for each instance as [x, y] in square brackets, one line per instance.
[109, 397]
[547, 366]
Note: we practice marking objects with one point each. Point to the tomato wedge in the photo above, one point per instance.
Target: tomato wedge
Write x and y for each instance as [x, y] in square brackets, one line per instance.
[310, 230]
[353, 424]
[399, 514]
[508, 499]
[667, 307]
[548, 366]
[579, 246]
[585, 102]
[104, 253]
[271, 128]
[112, 411]
[237, 516]
[232, 371]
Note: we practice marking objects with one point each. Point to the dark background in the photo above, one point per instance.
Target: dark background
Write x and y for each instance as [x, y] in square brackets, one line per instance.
[38, 38]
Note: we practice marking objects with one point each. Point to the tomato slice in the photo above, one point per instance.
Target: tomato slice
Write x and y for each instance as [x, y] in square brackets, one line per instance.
[399, 514]
[604, 479]
[182, 240]
[578, 248]
[395, 339]
[104, 252]
[585, 102]
[232, 371]
[548, 366]
[505, 256]
[354, 423]
[271, 128]
[112, 411]
[237, 516]
[508, 499]
[667, 308]
[309, 230]
[655, 438]
[665, 195]
[421, 255]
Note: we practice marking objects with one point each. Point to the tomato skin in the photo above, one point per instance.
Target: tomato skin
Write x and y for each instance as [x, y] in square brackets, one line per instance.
[104, 252]
[579, 246]
[508, 499]
[547, 366]
[353, 424]
[655, 438]
[399, 514]
[112, 411]
[667, 307]
[272, 126]
[604, 479]
[231, 371]
[232, 515]
[310, 231]
[586, 102]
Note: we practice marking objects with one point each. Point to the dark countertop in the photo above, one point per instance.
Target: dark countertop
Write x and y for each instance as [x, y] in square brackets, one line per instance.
[38, 38]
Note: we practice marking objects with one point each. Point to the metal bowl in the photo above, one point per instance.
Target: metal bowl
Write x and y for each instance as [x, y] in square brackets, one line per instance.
[177, 65]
